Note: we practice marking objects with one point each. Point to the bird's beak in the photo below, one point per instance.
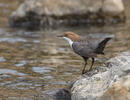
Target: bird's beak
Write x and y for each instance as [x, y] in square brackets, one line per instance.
[59, 35]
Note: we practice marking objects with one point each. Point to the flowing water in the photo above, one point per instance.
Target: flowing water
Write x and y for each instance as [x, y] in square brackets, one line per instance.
[32, 62]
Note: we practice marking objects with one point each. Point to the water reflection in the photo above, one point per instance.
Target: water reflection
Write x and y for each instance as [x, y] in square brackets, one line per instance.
[10, 71]
[12, 40]
[2, 59]
[42, 69]
[21, 63]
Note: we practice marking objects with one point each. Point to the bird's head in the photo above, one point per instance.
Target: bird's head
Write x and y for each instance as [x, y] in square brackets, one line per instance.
[70, 35]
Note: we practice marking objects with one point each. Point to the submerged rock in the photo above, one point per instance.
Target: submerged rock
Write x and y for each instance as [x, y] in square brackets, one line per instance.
[58, 94]
[55, 13]
[108, 82]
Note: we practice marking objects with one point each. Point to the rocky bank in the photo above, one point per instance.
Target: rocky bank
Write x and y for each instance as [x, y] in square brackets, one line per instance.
[57, 13]
[111, 81]
[105, 81]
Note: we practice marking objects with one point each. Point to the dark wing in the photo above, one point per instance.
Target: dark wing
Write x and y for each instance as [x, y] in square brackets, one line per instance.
[83, 49]
[97, 45]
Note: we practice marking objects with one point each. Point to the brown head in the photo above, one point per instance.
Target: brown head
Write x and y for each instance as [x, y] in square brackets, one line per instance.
[71, 35]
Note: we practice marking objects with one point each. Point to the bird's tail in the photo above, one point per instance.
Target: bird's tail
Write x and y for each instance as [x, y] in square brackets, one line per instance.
[102, 45]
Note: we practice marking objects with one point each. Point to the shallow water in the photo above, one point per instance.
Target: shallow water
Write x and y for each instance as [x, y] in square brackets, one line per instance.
[35, 61]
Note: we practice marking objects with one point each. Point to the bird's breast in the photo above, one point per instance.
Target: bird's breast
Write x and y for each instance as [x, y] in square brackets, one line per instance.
[69, 40]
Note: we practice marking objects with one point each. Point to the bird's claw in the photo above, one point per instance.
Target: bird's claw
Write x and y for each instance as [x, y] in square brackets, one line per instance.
[83, 72]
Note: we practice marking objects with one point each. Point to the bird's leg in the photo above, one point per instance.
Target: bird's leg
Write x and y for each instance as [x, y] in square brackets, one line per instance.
[92, 64]
[85, 60]
[83, 71]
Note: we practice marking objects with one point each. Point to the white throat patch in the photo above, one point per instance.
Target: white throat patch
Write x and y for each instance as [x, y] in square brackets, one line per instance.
[69, 40]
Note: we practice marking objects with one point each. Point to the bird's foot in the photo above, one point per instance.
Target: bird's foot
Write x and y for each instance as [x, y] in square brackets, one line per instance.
[83, 72]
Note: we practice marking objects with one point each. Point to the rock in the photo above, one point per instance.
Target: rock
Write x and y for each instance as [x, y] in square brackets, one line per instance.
[120, 90]
[102, 81]
[54, 13]
[111, 6]
[57, 94]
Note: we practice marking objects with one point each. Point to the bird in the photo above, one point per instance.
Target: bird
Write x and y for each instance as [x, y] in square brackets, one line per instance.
[86, 47]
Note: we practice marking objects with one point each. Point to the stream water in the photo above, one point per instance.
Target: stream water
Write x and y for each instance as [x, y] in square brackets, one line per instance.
[32, 62]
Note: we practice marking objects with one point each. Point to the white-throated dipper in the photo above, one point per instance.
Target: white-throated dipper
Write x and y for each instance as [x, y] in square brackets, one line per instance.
[85, 47]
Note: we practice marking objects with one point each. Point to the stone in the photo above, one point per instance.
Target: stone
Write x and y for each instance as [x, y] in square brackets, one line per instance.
[56, 13]
[111, 6]
[120, 90]
[102, 81]
[57, 94]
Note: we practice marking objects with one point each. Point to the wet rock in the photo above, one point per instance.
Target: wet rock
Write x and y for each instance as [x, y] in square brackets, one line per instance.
[54, 13]
[58, 94]
[102, 81]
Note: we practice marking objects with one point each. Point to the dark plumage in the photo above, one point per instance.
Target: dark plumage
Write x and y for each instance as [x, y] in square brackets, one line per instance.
[85, 47]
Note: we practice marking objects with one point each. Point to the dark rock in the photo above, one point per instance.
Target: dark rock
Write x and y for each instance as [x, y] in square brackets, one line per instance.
[57, 94]
[63, 94]
[54, 13]
[98, 84]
